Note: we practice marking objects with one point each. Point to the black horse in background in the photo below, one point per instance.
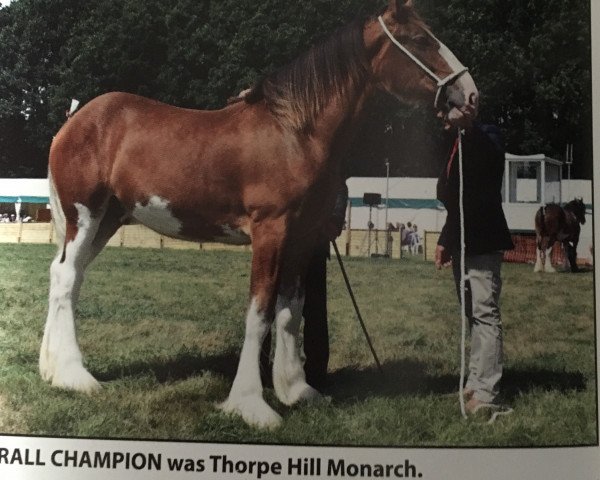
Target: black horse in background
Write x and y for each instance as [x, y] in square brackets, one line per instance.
[555, 223]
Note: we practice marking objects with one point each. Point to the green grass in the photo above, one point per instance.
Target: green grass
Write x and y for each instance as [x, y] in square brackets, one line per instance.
[162, 330]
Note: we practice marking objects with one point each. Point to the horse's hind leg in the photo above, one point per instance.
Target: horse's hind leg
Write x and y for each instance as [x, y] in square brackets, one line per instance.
[289, 378]
[540, 255]
[61, 361]
[548, 268]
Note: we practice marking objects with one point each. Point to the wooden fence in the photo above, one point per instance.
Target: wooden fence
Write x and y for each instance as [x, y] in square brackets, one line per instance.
[355, 243]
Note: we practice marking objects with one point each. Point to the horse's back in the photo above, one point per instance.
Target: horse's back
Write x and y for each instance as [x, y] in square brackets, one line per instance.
[118, 135]
[549, 220]
[176, 170]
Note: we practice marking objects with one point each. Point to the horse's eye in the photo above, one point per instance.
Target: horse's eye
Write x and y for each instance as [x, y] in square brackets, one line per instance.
[420, 40]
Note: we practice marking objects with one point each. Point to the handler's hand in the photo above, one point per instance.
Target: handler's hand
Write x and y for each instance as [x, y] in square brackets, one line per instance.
[442, 257]
[332, 230]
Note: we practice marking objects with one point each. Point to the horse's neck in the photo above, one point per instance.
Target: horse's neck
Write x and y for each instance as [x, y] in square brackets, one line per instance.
[337, 124]
[571, 216]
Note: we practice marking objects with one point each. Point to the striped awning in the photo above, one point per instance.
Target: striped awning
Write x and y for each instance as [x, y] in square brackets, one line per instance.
[25, 199]
[413, 203]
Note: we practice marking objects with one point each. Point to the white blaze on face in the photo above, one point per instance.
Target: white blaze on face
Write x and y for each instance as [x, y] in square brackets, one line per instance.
[448, 56]
[157, 215]
[465, 82]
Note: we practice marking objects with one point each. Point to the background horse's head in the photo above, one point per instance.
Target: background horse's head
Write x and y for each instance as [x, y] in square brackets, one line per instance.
[577, 207]
[413, 65]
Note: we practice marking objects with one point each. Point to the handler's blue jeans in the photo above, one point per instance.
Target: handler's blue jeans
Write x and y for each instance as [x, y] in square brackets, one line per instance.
[483, 285]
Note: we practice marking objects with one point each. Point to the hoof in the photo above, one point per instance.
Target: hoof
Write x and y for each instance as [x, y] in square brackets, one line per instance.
[73, 377]
[300, 392]
[254, 410]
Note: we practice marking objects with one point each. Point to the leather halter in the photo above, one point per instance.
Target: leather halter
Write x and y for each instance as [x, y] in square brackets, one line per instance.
[442, 83]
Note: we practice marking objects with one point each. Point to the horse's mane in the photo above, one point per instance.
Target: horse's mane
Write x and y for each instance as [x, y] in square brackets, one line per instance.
[298, 92]
[574, 204]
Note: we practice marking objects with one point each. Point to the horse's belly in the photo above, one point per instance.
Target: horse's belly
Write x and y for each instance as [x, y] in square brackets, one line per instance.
[158, 216]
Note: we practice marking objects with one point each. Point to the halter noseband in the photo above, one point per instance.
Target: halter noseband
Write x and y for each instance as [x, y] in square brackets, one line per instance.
[441, 83]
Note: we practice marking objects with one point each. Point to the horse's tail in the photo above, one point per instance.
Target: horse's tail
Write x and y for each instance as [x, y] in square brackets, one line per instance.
[58, 216]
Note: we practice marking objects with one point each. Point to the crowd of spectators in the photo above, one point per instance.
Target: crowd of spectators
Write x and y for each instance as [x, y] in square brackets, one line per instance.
[12, 218]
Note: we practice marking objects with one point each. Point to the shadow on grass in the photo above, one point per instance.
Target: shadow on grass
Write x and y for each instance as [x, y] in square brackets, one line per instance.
[179, 367]
[518, 381]
[580, 269]
[399, 378]
[408, 377]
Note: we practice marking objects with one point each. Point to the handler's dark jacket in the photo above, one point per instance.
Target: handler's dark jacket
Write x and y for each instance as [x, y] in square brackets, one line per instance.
[486, 230]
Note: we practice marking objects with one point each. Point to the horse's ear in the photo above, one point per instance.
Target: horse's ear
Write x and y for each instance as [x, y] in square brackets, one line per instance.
[400, 8]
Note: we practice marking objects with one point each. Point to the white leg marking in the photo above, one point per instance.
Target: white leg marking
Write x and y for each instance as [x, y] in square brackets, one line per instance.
[245, 397]
[289, 379]
[548, 266]
[60, 358]
[539, 266]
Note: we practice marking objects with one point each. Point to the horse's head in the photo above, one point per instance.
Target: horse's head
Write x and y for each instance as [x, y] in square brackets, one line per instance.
[578, 208]
[410, 63]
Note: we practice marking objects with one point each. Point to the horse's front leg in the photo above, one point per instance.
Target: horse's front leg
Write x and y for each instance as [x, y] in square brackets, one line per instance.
[540, 255]
[571, 248]
[289, 378]
[245, 397]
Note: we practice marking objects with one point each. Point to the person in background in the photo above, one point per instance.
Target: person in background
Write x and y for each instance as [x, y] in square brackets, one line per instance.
[486, 237]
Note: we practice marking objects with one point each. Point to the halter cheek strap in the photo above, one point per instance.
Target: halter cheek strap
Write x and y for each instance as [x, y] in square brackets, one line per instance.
[442, 83]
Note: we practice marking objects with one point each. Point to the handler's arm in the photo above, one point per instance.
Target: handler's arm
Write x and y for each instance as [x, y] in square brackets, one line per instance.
[443, 258]
[338, 216]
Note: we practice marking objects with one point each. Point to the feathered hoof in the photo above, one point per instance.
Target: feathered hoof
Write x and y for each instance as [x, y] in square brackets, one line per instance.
[254, 410]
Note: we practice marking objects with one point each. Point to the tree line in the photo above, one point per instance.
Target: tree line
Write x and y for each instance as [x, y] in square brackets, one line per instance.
[530, 59]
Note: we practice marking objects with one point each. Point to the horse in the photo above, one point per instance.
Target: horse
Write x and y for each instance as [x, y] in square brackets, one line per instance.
[555, 223]
[264, 171]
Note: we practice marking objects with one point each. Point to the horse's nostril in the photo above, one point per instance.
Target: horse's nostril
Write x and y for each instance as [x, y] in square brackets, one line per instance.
[473, 99]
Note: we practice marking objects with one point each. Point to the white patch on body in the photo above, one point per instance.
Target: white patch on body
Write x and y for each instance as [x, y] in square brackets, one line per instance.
[233, 236]
[157, 216]
[61, 361]
[245, 397]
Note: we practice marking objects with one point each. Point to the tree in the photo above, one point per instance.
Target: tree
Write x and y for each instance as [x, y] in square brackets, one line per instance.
[530, 59]
[32, 33]
[532, 63]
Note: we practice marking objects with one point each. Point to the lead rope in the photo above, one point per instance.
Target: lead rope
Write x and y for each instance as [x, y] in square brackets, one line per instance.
[463, 308]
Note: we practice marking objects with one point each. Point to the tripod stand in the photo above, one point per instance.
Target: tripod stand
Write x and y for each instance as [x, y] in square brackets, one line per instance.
[369, 239]
[372, 200]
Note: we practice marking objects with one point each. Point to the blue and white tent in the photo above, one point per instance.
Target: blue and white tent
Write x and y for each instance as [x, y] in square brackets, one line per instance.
[19, 191]
[24, 190]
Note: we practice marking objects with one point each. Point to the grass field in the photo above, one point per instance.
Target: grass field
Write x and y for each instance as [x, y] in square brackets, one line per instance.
[162, 330]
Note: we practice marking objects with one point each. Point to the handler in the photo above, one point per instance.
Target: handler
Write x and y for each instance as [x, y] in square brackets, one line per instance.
[316, 332]
[486, 237]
